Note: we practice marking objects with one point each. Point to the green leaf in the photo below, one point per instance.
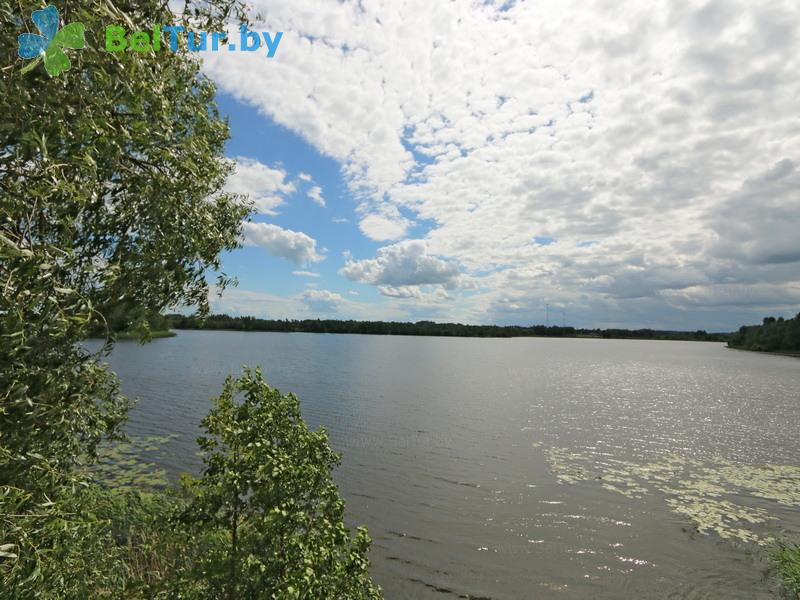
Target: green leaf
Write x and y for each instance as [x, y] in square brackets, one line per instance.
[71, 36]
[9, 248]
[55, 61]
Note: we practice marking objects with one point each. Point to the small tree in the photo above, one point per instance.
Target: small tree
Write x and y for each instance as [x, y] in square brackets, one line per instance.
[267, 516]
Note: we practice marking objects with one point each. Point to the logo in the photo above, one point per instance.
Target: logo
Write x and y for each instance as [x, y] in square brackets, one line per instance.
[118, 40]
[50, 45]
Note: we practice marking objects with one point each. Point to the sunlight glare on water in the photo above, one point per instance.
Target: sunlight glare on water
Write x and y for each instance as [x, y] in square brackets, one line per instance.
[522, 468]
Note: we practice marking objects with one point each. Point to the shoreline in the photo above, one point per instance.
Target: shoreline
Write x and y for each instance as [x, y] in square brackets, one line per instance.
[772, 352]
[433, 335]
[132, 335]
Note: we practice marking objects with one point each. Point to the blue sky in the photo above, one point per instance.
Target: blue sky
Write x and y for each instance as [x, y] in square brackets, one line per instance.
[255, 136]
[614, 162]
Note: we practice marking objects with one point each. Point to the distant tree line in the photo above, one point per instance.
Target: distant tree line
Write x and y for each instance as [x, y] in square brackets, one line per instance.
[773, 335]
[424, 328]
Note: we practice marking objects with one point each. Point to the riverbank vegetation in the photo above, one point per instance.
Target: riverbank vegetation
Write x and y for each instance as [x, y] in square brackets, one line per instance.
[773, 335]
[132, 335]
[123, 322]
[429, 328]
[787, 561]
[113, 205]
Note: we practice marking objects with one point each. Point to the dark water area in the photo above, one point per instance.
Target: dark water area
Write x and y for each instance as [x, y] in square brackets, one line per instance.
[523, 468]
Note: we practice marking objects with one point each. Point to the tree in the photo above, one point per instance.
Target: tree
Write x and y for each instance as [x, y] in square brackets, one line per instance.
[773, 335]
[112, 195]
[112, 208]
[266, 516]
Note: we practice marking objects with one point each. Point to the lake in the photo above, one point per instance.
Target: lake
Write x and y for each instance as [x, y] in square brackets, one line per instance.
[522, 468]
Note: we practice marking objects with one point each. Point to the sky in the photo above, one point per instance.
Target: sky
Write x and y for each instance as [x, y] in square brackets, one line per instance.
[629, 164]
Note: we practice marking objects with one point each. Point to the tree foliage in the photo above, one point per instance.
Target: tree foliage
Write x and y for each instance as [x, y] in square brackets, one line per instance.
[112, 178]
[773, 335]
[268, 494]
[112, 208]
[263, 520]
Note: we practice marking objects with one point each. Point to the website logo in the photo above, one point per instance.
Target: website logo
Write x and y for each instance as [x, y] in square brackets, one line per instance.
[50, 45]
[119, 40]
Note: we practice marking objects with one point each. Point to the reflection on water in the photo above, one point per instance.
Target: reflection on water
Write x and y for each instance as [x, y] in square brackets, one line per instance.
[524, 468]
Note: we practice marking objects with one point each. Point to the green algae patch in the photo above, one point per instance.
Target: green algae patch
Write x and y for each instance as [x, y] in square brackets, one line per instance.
[124, 465]
[713, 495]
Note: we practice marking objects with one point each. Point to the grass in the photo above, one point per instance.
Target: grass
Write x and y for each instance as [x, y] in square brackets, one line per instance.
[787, 562]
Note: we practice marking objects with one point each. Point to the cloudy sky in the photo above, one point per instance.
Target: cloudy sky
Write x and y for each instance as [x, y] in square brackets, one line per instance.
[628, 163]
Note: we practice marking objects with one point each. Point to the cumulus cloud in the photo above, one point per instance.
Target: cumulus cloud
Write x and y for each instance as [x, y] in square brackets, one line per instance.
[403, 264]
[304, 177]
[664, 133]
[416, 293]
[315, 193]
[383, 228]
[266, 187]
[294, 246]
[322, 301]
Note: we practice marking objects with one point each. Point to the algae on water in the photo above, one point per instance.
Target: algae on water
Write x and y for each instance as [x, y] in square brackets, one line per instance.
[124, 466]
[711, 494]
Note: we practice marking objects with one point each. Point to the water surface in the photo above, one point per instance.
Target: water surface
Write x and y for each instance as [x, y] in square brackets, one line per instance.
[520, 468]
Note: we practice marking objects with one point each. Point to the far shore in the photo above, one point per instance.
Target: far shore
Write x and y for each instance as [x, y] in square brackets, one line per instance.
[133, 335]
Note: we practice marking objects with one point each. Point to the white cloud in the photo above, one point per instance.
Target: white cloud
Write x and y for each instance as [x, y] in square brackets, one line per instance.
[305, 274]
[786, 295]
[310, 304]
[304, 177]
[294, 246]
[265, 186]
[417, 293]
[322, 301]
[664, 132]
[315, 193]
[401, 265]
[239, 302]
[382, 228]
